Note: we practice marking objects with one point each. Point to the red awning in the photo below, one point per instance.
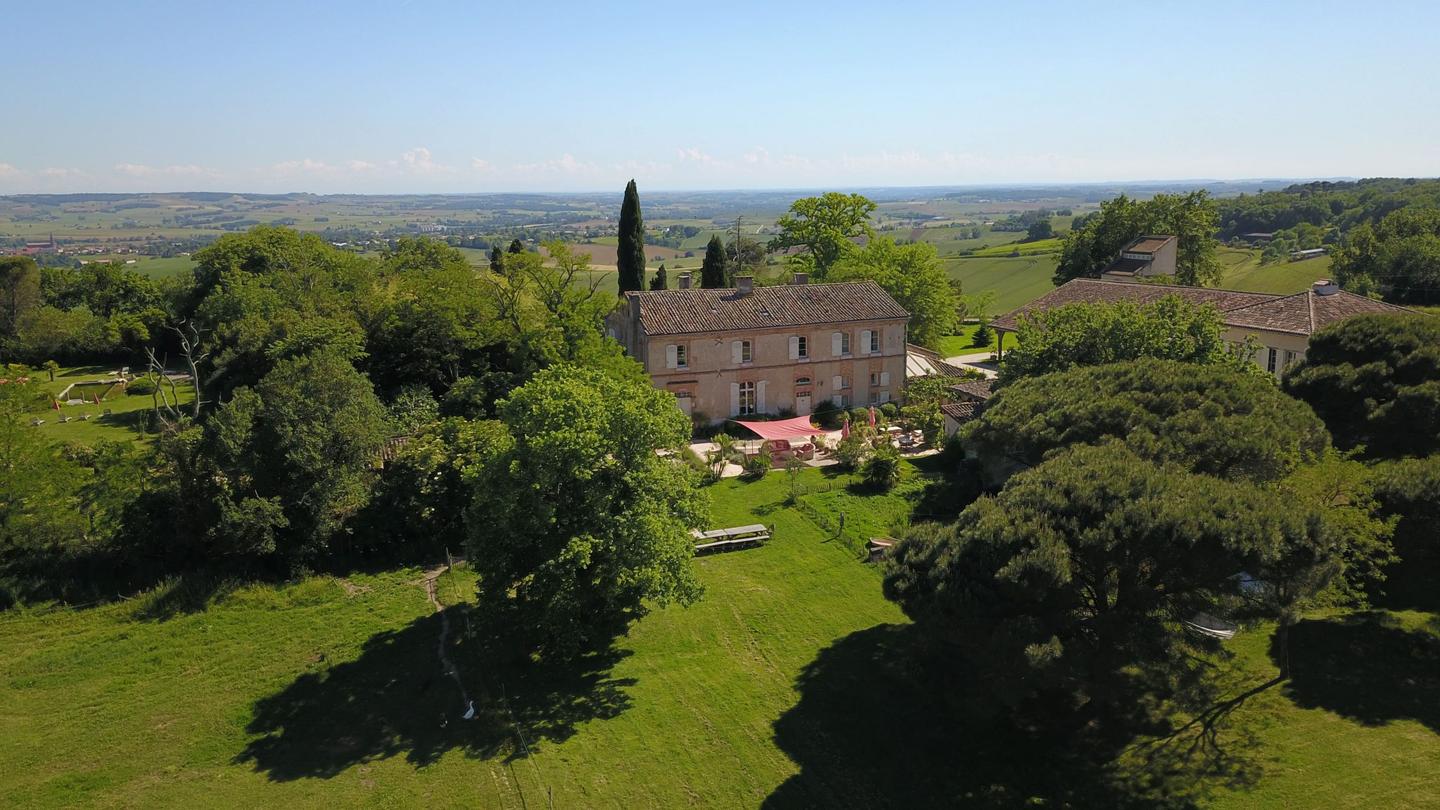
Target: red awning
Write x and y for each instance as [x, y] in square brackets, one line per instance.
[797, 428]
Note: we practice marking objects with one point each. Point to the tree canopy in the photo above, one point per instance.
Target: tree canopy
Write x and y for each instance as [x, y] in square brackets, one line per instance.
[577, 523]
[630, 259]
[826, 227]
[1095, 241]
[1084, 334]
[914, 278]
[1399, 256]
[1209, 419]
[714, 269]
[1070, 587]
[1375, 380]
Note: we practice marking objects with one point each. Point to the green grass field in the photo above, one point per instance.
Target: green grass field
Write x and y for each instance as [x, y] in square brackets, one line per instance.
[1037, 247]
[1243, 271]
[1014, 281]
[779, 688]
[126, 410]
[963, 342]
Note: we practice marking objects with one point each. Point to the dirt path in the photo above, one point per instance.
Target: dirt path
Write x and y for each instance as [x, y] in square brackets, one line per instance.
[446, 665]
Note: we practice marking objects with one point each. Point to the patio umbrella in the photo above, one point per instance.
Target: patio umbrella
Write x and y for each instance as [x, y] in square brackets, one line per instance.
[872, 416]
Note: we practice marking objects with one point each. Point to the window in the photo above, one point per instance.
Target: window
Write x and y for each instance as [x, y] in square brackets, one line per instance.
[1289, 359]
[802, 346]
[740, 352]
[844, 342]
[1270, 360]
[680, 356]
[745, 355]
[874, 341]
[747, 398]
[874, 379]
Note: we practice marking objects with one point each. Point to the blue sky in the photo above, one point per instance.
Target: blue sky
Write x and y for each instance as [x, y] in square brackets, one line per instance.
[453, 97]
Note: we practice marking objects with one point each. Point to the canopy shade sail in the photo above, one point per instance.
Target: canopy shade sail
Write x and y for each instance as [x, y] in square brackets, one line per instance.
[792, 429]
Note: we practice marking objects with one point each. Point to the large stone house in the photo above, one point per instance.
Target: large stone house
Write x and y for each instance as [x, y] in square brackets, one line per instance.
[764, 350]
[1280, 324]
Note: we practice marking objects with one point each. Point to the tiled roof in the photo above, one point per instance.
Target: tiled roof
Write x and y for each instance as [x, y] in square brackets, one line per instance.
[960, 411]
[1128, 266]
[1148, 244]
[975, 390]
[1305, 313]
[1096, 291]
[679, 312]
[1301, 313]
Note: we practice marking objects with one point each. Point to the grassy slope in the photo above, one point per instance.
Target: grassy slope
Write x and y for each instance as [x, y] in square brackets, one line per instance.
[1014, 281]
[1243, 271]
[102, 708]
[336, 680]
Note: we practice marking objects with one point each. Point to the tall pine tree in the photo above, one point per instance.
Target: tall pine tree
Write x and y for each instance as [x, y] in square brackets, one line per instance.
[631, 258]
[497, 259]
[659, 281]
[713, 273]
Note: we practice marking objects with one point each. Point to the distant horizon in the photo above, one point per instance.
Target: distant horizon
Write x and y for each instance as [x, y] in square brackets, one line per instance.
[1058, 184]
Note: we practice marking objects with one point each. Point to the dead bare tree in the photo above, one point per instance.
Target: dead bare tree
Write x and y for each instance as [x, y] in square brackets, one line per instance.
[167, 402]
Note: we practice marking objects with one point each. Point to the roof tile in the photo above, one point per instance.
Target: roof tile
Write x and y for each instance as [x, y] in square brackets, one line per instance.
[678, 312]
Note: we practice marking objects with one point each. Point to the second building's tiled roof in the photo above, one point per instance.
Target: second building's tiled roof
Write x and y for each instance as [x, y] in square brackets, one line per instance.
[1096, 291]
[678, 312]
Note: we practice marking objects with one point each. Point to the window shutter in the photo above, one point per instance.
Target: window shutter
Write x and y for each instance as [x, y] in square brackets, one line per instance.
[734, 399]
[794, 347]
[735, 351]
[837, 382]
[884, 378]
[864, 341]
[760, 397]
[670, 356]
[835, 344]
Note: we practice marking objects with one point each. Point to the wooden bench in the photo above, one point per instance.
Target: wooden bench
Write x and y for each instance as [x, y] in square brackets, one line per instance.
[878, 547]
[738, 537]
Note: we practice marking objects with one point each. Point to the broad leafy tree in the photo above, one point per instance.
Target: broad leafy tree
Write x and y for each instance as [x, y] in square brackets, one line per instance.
[826, 227]
[1399, 256]
[630, 259]
[1409, 491]
[914, 278]
[291, 460]
[19, 291]
[1210, 419]
[577, 523]
[1084, 334]
[1067, 592]
[714, 269]
[1375, 380]
[1093, 244]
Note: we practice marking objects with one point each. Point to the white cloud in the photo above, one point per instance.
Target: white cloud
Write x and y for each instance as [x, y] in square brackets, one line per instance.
[142, 170]
[419, 161]
[565, 164]
[359, 165]
[6, 170]
[480, 165]
[304, 165]
[60, 172]
[694, 155]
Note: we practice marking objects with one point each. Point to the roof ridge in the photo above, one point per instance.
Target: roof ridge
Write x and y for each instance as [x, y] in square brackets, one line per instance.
[1310, 300]
[1182, 287]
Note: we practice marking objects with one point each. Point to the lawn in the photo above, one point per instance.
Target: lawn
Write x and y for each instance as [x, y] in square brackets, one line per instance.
[126, 410]
[964, 342]
[1242, 271]
[1014, 281]
[781, 687]
[1021, 248]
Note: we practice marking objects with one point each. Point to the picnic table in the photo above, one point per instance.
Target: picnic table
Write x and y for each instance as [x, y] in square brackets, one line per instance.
[730, 539]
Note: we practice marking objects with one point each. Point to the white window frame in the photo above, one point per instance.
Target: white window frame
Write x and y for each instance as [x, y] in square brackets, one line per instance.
[874, 347]
[1272, 358]
[748, 398]
[747, 352]
[802, 347]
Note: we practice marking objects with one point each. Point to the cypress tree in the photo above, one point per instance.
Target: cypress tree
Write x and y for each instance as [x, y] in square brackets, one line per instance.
[497, 259]
[713, 273]
[516, 246]
[631, 258]
[659, 281]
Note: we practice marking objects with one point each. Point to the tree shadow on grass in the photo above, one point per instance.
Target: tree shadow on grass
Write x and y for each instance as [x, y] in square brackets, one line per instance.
[870, 730]
[394, 700]
[1367, 668]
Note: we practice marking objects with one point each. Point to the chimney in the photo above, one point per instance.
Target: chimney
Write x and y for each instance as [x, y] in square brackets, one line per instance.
[684, 281]
[801, 279]
[1325, 287]
[745, 284]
